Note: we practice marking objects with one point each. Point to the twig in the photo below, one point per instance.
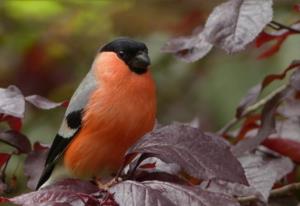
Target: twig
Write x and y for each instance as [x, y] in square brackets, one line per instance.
[3, 173]
[278, 26]
[250, 109]
[282, 191]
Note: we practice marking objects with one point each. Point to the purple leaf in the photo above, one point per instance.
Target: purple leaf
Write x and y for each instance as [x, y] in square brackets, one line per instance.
[235, 23]
[67, 192]
[255, 91]
[267, 125]
[12, 102]
[185, 195]
[188, 49]
[130, 193]
[42, 103]
[290, 108]
[200, 155]
[34, 164]
[4, 157]
[263, 170]
[295, 79]
[230, 26]
[16, 140]
[3, 189]
[249, 99]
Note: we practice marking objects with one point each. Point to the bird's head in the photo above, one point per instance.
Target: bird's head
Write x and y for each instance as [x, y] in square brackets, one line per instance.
[133, 53]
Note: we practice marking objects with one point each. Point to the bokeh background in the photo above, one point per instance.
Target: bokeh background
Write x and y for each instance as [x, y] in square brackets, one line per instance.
[47, 47]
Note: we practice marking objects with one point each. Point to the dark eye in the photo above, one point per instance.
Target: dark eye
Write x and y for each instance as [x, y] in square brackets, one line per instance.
[121, 53]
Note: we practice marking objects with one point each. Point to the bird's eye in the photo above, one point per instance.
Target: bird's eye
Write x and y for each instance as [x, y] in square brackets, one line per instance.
[121, 53]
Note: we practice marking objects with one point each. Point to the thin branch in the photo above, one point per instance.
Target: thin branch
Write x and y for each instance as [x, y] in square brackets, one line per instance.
[278, 192]
[250, 109]
[278, 26]
[3, 173]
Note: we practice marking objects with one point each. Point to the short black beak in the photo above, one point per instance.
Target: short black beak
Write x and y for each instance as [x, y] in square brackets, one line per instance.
[140, 62]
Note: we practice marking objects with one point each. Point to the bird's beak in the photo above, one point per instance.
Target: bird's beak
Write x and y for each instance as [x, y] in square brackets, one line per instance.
[141, 61]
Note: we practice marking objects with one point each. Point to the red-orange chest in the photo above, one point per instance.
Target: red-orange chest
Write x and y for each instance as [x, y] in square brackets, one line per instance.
[116, 116]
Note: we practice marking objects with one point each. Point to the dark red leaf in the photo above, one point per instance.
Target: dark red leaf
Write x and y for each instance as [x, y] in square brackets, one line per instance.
[129, 193]
[186, 195]
[248, 100]
[263, 38]
[43, 103]
[255, 91]
[16, 140]
[34, 164]
[286, 147]
[267, 124]
[201, 155]
[14, 123]
[67, 192]
[295, 79]
[270, 78]
[274, 48]
[188, 49]
[264, 169]
[296, 7]
[278, 36]
[249, 124]
[4, 200]
[12, 102]
[4, 157]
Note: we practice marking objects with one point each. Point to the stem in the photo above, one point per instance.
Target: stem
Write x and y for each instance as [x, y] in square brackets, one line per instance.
[3, 174]
[278, 26]
[282, 191]
[250, 109]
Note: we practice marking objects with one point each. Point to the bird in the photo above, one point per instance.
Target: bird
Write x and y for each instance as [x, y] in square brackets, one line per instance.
[114, 105]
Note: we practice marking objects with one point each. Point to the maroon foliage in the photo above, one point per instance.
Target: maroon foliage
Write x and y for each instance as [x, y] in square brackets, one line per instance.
[34, 164]
[278, 36]
[16, 140]
[68, 192]
[264, 169]
[12, 102]
[4, 157]
[230, 26]
[42, 102]
[255, 91]
[297, 7]
[200, 155]
[267, 125]
[286, 147]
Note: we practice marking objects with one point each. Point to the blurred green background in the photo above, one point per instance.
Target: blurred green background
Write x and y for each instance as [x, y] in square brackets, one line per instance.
[47, 46]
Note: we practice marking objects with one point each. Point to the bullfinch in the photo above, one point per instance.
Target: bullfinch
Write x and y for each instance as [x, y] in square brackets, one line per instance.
[113, 106]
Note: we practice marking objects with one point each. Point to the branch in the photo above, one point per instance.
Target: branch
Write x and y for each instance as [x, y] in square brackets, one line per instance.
[250, 109]
[278, 192]
[278, 26]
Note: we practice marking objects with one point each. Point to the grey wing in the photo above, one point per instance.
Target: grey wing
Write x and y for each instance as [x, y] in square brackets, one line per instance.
[77, 104]
[71, 124]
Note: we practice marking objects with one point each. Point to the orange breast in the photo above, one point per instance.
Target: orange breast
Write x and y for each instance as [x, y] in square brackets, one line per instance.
[119, 112]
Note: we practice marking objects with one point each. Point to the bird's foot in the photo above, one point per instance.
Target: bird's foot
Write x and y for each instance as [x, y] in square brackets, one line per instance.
[106, 186]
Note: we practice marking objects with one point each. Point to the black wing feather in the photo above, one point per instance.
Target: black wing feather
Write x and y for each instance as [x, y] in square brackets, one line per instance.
[59, 145]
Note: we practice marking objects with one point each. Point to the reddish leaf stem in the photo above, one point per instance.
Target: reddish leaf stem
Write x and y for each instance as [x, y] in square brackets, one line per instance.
[250, 109]
[3, 175]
